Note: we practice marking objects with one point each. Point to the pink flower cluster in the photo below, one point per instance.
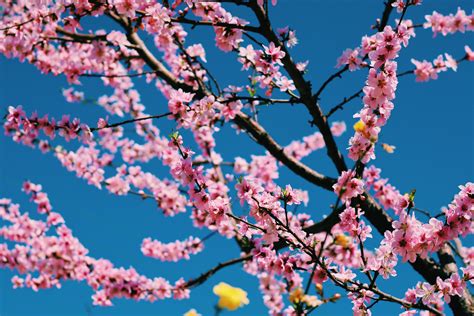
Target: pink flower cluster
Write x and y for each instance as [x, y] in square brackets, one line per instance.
[88, 162]
[26, 130]
[208, 197]
[265, 168]
[38, 197]
[348, 186]
[73, 96]
[385, 193]
[266, 62]
[265, 205]
[47, 253]
[360, 301]
[432, 294]
[313, 142]
[276, 275]
[351, 58]
[173, 251]
[287, 35]
[381, 48]
[384, 260]
[425, 70]
[351, 223]
[411, 238]
[449, 24]
[165, 192]
[227, 39]
[273, 290]
[403, 4]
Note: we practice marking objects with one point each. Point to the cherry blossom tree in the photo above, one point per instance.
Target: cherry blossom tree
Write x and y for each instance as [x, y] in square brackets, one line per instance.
[291, 254]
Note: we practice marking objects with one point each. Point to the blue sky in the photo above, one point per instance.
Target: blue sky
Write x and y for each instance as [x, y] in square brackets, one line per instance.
[431, 127]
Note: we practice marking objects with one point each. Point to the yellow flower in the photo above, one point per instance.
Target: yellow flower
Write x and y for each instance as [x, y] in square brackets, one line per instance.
[342, 240]
[296, 296]
[359, 127]
[192, 312]
[388, 148]
[230, 297]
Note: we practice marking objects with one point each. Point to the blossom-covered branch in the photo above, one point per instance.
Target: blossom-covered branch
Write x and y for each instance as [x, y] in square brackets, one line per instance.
[290, 252]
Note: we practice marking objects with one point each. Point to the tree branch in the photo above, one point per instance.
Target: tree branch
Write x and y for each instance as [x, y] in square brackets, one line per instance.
[206, 275]
[304, 89]
[264, 139]
[194, 23]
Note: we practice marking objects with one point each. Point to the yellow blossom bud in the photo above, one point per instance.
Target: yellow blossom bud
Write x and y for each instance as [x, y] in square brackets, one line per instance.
[230, 297]
[192, 312]
[296, 296]
[342, 240]
[359, 127]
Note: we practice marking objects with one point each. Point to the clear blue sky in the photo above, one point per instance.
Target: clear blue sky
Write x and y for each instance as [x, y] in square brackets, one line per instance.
[431, 127]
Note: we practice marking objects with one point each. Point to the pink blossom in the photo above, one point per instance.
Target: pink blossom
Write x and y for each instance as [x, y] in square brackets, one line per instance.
[126, 7]
[351, 58]
[448, 24]
[285, 84]
[424, 70]
[338, 128]
[345, 275]
[117, 185]
[456, 284]
[426, 292]
[348, 187]
[469, 53]
[274, 53]
[444, 288]
[451, 62]
[150, 41]
[73, 96]
[172, 251]
[178, 100]
[399, 4]
[102, 123]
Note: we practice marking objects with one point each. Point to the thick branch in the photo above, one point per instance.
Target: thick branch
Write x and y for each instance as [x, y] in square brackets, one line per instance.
[154, 63]
[264, 139]
[206, 275]
[132, 121]
[304, 89]
[385, 15]
[194, 23]
[81, 37]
